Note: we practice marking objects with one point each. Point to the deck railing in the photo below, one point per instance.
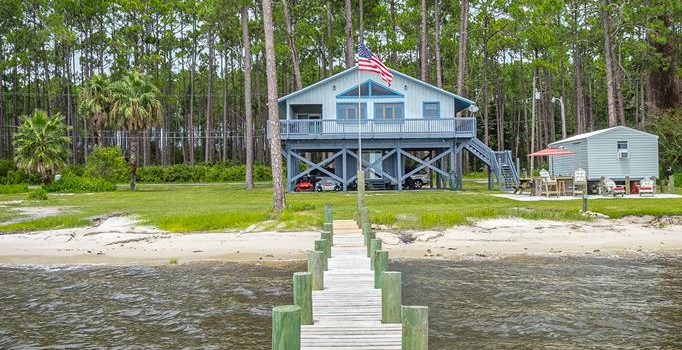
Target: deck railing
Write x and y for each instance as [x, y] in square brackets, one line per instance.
[377, 129]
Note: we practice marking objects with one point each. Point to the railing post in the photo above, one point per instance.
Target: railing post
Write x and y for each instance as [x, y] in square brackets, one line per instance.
[286, 327]
[303, 295]
[415, 327]
[375, 244]
[316, 266]
[391, 297]
[380, 265]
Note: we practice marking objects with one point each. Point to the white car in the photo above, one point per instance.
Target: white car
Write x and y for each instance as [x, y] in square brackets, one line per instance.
[327, 184]
[421, 179]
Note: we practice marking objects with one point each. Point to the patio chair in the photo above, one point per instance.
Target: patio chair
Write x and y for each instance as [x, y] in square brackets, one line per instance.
[647, 186]
[548, 185]
[579, 182]
[613, 189]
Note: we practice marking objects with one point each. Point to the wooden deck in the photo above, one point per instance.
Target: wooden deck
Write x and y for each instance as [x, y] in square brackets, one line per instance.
[347, 313]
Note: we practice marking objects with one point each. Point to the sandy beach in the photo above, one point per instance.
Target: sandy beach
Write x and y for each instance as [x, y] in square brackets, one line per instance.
[120, 240]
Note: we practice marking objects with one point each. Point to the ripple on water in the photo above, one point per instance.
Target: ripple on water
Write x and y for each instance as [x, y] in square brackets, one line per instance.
[528, 303]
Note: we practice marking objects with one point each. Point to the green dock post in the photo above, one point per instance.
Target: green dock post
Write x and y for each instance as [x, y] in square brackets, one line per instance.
[328, 227]
[584, 200]
[391, 297]
[627, 185]
[375, 245]
[368, 242]
[361, 189]
[380, 265]
[317, 264]
[328, 214]
[328, 236]
[363, 217]
[286, 327]
[671, 184]
[303, 295]
[415, 327]
[321, 246]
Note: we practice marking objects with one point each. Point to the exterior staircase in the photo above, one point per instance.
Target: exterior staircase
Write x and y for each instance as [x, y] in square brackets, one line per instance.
[500, 163]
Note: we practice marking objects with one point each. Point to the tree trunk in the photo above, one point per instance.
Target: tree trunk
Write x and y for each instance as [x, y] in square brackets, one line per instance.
[361, 20]
[248, 114]
[330, 51]
[350, 53]
[664, 92]
[190, 130]
[422, 44]
[278, 200]
[132, 144]
[439, 69]
[484, 101]
[298, 83]
[463, 42]
[208, 154]
[610, 72]
[394, 33]
[578, 90]
[223, 61]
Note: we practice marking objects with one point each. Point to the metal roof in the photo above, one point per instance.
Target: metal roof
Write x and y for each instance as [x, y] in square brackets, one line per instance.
[596, 132]
[461, 101]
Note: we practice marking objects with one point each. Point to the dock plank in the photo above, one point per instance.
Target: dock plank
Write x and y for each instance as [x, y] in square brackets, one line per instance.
[347, 313]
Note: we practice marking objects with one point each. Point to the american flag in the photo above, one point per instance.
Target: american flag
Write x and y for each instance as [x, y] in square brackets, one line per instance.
[369, 62]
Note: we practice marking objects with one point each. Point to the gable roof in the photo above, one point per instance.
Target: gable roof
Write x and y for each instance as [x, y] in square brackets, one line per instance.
[459, 100]
[587, 135]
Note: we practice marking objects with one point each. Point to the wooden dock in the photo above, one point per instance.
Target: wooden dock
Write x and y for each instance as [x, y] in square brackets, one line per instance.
[347, 313]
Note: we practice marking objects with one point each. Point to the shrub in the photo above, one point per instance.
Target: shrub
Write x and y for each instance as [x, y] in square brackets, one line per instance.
[5, 167]
[181, 173]
[107, 163]
[75, 184]
[13, 188]
[38, 194]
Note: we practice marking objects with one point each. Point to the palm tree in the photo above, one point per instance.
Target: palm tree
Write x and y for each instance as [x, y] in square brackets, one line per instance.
[94, 101]
[135, 107]
[41, 145]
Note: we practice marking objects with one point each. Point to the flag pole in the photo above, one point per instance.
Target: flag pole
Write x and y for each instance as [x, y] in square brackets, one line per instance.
[361, 175]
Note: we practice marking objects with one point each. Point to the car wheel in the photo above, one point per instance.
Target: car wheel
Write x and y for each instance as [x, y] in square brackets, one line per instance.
[418, 184]
[318, 188]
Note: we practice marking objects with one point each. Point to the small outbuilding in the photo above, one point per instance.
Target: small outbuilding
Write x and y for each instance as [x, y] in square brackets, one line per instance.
[616, 153]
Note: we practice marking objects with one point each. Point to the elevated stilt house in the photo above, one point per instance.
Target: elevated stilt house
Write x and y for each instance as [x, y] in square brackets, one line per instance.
[407, 128]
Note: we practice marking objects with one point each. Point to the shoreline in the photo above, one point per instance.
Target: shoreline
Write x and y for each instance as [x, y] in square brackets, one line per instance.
[120, 241]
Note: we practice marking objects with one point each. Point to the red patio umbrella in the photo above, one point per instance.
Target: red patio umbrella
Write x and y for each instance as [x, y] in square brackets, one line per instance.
[550, 152]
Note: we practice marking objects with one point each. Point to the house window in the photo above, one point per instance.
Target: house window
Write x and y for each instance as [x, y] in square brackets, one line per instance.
[349, 111]
[389, 111]
[370, 89]
[431, 110]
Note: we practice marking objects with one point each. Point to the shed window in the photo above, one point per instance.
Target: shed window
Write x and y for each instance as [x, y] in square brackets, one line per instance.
[431, 110]
[349, 111]
[622, 145]
[389, 111]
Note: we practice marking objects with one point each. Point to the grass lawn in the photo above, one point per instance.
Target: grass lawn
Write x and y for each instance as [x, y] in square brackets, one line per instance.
[221, 206]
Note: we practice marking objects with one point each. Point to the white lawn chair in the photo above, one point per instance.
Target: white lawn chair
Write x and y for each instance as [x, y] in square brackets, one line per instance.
[548, 185]
[612, 189]
[579, 182]
[647, 186]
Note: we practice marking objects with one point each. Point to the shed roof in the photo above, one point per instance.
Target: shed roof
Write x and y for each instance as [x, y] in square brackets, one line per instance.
[587, 135]
[459, 100]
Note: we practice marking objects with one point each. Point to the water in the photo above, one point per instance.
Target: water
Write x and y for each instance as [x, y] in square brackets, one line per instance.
[505, 304]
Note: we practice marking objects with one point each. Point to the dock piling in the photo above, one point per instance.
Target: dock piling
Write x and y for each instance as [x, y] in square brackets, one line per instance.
[380, 265]
[415, 327]
[286, 327]
[328, 214]
[368, 242]
[328, 236]
[303, 295]
[316, 267]
[391, 296]
[374, 246]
